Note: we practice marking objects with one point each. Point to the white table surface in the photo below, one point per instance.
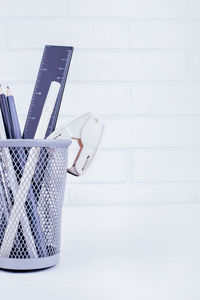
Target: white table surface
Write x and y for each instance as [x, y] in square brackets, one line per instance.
[137, 253]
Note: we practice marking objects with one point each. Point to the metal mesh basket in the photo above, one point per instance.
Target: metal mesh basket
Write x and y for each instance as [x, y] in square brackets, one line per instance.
[32, 184]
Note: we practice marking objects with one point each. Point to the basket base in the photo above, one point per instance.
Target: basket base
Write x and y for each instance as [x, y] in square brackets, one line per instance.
[29, 264]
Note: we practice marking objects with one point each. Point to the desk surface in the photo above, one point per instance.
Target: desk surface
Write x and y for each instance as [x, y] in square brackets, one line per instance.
[138, 252]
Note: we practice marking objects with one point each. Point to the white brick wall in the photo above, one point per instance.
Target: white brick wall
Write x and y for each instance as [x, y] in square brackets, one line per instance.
[127, 66]
[165, 35]
[128, 8]
[137, 65]
[83, 34]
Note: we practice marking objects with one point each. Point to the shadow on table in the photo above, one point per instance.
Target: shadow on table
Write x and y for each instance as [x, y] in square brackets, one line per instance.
[25, 271]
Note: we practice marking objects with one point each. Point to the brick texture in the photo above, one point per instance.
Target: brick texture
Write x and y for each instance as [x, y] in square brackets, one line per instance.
[137, 65]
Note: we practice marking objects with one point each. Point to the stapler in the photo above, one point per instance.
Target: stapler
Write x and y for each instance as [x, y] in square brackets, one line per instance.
[88, 131]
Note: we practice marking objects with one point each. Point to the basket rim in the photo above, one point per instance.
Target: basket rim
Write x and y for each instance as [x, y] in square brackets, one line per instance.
[65, 143]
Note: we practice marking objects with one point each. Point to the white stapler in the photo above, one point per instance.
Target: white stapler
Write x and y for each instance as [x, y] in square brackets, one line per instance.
[87, 130]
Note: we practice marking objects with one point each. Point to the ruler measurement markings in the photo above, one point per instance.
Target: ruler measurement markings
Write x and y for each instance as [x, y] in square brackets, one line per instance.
[52, 68]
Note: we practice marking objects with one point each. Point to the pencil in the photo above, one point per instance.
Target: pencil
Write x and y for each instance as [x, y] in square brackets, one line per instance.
[5, 114]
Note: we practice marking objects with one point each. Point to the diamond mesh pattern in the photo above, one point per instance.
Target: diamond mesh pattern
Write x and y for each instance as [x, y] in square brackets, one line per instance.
[32, 183]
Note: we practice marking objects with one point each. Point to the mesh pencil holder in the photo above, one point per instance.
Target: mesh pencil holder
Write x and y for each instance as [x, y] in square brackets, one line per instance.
[32, 185]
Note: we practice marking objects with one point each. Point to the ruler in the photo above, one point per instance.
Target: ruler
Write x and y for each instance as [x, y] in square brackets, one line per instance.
[54, 67]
